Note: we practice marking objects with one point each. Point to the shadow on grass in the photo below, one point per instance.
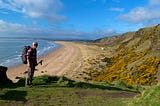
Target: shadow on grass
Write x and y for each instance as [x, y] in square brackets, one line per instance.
[14, 95]
[55, 81]
[20, 83]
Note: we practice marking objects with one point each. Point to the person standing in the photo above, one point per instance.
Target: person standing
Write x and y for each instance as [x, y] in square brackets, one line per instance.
[31, 63]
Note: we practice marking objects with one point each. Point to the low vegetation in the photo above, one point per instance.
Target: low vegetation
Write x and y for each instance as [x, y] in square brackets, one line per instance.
[149, 97]
[135, 59]
[61, 91]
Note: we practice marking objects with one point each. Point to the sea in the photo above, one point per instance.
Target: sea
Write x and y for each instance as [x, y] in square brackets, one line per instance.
[11, 49]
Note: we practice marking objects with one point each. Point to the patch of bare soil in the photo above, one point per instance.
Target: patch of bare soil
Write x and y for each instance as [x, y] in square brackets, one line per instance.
[106, 95]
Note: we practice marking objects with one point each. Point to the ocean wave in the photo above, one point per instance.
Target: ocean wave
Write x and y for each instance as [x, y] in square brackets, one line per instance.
[45, 50]
[15, 59]
[11, 62]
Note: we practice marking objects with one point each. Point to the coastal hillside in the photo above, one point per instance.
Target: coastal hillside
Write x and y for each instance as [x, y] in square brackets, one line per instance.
[134, 59]
[114, 68]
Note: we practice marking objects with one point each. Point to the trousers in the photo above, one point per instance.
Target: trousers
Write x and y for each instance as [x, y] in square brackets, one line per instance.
[29, 76]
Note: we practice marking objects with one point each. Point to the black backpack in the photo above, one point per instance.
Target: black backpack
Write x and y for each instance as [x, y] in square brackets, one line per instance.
[24, 54]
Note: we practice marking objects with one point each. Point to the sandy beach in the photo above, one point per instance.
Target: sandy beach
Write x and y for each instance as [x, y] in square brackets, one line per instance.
[54, 63]
[68, 60]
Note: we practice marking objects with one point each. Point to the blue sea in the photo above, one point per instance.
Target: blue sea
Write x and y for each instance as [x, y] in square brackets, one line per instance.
[11, 49]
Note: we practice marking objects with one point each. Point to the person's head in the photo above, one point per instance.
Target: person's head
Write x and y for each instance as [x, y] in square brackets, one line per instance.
[34, 44]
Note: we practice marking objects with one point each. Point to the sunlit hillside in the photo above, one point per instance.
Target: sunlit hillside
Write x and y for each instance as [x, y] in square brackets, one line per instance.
[135, 59]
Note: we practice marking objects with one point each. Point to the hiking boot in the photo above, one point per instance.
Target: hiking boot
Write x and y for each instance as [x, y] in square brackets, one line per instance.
[28, 86]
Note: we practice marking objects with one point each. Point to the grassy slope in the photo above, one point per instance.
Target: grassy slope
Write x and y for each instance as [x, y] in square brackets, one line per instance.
[136, 58]
[144, 40]
[60, 91]
[149, 97]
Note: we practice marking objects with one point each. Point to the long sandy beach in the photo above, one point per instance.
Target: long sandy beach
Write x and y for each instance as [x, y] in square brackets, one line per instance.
[67, 60]
[54, 63]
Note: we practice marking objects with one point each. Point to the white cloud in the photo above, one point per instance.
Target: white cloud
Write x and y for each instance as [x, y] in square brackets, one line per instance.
[154, 2]
[100, 33]
[140, 14]
[43, 9]
[18, 30]
[147, 15]
[106, 32]
[10, 29]
[117, 9]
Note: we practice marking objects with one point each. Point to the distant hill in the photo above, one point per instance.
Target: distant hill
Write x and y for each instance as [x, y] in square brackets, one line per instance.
[135, 60]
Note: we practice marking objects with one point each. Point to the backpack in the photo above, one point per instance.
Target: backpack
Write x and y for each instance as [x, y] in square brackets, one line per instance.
[24, 54]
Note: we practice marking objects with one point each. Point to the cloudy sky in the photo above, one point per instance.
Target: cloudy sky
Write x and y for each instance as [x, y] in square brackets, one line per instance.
[75, 19]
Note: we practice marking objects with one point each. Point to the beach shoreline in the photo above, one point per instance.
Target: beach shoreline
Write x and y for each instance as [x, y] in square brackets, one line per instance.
[54, 63]
[11, 49]
[71, 60]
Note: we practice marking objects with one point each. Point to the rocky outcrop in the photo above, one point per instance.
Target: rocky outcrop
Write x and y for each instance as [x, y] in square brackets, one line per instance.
[3, 76]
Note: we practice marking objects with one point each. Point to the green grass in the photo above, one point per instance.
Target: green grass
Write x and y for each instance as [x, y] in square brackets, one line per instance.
[149, 97]
[61, 91]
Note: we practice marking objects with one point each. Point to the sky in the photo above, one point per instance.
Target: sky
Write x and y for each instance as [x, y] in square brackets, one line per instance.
[76, 19]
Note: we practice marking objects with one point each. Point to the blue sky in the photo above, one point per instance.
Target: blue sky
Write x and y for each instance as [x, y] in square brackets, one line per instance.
[76, 19]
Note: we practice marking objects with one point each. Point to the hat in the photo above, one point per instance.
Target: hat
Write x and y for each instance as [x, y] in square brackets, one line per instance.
[35, 43]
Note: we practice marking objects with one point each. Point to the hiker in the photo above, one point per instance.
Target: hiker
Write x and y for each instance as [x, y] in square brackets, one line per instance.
[31, 63]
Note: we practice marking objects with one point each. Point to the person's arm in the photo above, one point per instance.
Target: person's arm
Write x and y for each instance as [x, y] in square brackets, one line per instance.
[36, 57]
[28, 57]
[28, 63]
